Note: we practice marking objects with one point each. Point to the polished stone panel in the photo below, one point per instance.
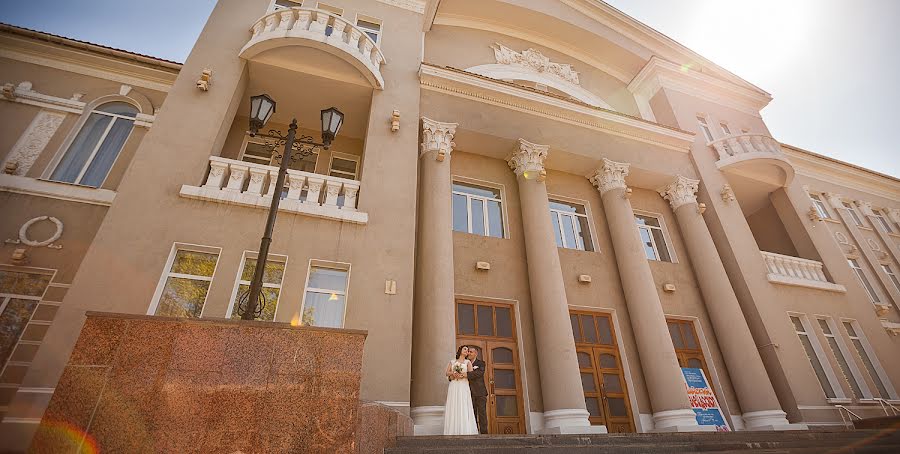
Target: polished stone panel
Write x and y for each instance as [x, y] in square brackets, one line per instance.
[139, 383]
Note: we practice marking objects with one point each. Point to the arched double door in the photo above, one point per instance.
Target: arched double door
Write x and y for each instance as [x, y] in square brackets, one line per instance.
[490, 327]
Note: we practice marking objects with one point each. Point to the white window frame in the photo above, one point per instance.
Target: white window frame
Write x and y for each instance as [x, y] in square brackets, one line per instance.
[275, 6]
[330, 8]
[278, 258]
[856, 374]
[885, 225]
[167, 272]
[374, 20]
[587, 216]
[346, 157]
[819, 204]
[853, 214]
[725, 129]
[810, 333]
[316, 263]
[893, 277]
[704, 127]
[469, 197]
[867, 348]
[864, 280]
[665, 233]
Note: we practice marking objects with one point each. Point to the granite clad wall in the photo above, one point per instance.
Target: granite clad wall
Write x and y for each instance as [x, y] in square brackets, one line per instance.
[158, 384]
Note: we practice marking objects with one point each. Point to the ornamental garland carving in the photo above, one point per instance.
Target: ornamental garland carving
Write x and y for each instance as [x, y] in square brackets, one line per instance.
[535, 60]
[611, 175]
[437, 136]
[528, 159]
[34, 140]
[49, 242]
[680, 192]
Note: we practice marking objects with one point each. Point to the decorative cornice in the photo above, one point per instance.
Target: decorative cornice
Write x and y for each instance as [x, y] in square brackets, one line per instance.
[680, 192]
[437, 136]
[536, 61]
[24, 93]
[528, 160]
[830, 170]
[611, 175]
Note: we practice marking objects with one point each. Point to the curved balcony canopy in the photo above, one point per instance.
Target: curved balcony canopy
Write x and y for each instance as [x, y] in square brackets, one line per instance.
[317, 29]
[754, 156]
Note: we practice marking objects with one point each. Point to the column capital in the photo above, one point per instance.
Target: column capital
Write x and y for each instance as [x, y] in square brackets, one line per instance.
[865, 207]
[834, 199]
[437, 136]
[527, 159]
[681, 191]
[610, 175]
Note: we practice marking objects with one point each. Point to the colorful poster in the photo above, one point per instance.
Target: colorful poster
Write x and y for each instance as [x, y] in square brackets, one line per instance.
[703, 400]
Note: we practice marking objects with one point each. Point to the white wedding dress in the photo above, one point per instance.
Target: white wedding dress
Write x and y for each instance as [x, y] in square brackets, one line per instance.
[459, 416]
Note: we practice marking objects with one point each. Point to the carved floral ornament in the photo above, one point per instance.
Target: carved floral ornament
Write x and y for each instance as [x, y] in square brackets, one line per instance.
[611, 175]
[437, 136]
[680, 192]
[535, 60]
[528, 160]
[49, 242]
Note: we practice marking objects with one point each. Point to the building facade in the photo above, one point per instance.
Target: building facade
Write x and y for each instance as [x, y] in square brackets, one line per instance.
[587, 201]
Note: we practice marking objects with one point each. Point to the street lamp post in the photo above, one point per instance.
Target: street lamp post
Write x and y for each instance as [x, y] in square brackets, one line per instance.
[261, 109]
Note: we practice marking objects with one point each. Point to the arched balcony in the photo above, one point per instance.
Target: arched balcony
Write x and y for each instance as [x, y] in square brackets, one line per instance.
[755, 156]
[314, 28]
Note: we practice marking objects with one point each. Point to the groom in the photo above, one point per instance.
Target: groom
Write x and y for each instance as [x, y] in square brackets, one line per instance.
[479, 391]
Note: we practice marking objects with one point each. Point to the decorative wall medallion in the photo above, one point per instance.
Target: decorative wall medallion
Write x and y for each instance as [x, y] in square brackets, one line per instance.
[873, 245]
[33, 141]
[535, 60]
[49, 242]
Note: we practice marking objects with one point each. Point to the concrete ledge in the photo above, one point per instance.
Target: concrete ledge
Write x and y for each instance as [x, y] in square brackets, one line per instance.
[55, 190]
[797, 282]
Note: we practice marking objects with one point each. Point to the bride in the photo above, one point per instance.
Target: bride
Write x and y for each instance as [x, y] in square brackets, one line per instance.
[459, 416]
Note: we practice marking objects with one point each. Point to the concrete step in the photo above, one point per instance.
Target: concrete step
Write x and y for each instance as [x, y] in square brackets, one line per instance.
[650, 449]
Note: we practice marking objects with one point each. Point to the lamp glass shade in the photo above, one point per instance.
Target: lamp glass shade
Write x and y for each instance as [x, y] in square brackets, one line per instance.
[332, 119]
[261, 109]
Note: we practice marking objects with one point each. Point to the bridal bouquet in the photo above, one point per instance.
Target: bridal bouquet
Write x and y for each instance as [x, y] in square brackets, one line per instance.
[458, 368]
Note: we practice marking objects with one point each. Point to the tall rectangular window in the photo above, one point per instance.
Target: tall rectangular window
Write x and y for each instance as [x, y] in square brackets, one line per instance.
[863, 280]
[370, 26]
[887, 269]
[570, 225]
[257, 151]
[271, 287]
[282, 4]
[651, 233]
[810, 345]
[343, 166]
[841, 354]
[325, 298]
[725, 128]
[882, 221]
[863, 349]
[821, 209]
[186, 282]
[853, 214]
[477, 210]
[704, 126]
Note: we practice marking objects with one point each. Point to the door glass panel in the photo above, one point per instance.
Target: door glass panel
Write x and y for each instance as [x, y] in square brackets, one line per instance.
[466, 315]
[507, 406]
[587, 327]
[676, 335]
[611, 383]
[617, 406]
[587, 382]
[689, 337]
[605, 331]
[502, 355]
[504, 379]
[593, 407]
[695, 363]
[485, 321]
[607, 361]
[584, 360]
[575, 331]
[504, 322]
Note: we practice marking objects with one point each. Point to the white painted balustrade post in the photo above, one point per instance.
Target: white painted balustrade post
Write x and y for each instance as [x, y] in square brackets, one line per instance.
[273, 179]
[314, 188]
[257, 178]
[332, 190]
[350, 191]
[295, 185]
[302, 22]
[321, 22]
[216, 174]
[236, 179]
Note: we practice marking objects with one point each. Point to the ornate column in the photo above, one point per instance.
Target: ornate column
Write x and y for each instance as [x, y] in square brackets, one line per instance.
[434, 331]
[748, 374]
[665, 383]
[564, 409]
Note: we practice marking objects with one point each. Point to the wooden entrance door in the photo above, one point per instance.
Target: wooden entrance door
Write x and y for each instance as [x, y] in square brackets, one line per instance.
[490, 327]
[602, 374]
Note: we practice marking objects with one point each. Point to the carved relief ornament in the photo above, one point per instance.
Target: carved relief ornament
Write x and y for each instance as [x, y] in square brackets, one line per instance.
[437, 136]
[528, 160]
[611, 175]
[535, 60]
[33, 141]
[49, 242]
[680, 192]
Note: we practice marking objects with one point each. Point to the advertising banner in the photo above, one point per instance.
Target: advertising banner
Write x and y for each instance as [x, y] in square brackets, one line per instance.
[703, 400]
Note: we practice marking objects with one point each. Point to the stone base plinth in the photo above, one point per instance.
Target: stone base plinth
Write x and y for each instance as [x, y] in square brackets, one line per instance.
[379, 427]
[155, 384]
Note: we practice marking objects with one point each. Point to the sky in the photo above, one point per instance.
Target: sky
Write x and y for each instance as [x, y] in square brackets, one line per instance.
[832, 66]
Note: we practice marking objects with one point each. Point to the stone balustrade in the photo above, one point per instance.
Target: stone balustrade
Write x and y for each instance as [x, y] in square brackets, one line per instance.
[784, 269]
[739, 144]
[244, 183]
[318, 28]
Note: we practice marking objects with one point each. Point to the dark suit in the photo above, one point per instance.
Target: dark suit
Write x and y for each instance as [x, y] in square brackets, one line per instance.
[479, 394]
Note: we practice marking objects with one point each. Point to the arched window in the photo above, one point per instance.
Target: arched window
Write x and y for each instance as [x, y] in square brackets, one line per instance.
[98, 143]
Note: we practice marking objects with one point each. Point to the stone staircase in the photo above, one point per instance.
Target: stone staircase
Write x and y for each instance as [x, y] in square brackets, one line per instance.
[794, 442]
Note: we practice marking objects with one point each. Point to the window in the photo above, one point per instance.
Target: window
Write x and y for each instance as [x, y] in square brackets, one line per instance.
[885, 225]
[853, 214]
[325, 299]
[841, 354]
[725, 129]
[813, 352]
[282, 4]
[476, 209]
[20, 316]
[186, 282]
[570, 226]
[370, 26]
[343, 166]
[887, 269]
[271, 287]
[651, 233]
[333, 10]
[705, 128]
[821, 209]
[863, 280]
[259, 152]
[864, 350]
[97, 145]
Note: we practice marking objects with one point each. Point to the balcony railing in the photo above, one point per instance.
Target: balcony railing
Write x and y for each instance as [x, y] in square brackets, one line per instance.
[787, 270]
[316, 28]
[248, 184]
[745, 143]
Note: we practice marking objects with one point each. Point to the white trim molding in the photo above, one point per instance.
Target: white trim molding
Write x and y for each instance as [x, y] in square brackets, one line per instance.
[55, 190]
[23, 93]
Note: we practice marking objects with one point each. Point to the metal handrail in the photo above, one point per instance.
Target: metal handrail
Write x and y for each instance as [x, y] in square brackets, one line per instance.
[848, 421]
[885, 405]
